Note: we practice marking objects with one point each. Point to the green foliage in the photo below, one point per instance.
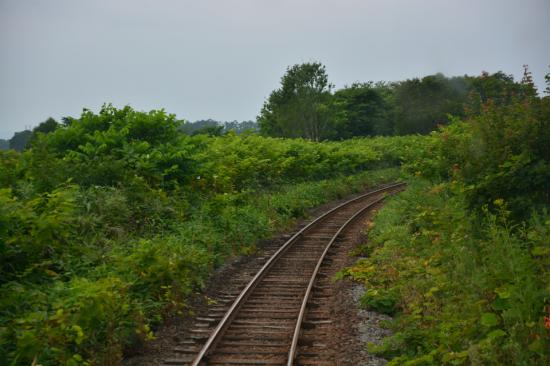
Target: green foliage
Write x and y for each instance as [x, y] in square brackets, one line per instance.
[508, 157]
[45, 127]
[464, 289]
[363, 110]
[300, 107]
[4, 144]
[98, 297]
[113, 220]
[498, 88]
[11, 168]
[501, 153]
[216, 128]
[20, 140]
[462, 260]
[112, 147]
[423, 104]
[34, 232]
[304, 106]
[232, 163]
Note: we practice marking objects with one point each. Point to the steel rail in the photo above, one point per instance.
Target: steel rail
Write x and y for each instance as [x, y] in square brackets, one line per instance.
[232, 311]
[307, 296]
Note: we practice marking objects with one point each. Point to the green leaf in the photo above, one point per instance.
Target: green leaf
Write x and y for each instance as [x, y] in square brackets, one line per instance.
[500, 304]
[455, 358]
[536, 346]
[489, 320]
[503, 292]
[497, 333]
[540, 251]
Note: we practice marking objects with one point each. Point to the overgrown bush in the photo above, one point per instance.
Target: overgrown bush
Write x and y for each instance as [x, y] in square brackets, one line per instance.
[500, 153]
[464, 289]
[110, 223]
[461, 260]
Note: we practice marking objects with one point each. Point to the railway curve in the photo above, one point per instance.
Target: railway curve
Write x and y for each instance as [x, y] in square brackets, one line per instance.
[268, 322]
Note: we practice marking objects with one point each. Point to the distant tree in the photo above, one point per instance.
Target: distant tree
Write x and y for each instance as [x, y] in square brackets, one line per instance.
[529, 90]
[216, 128]
[300, 107]
[4, 144]
[66, 121]
[304, 105]
[498, 87]
[23, 139]
[20, 140]
[386, 125]
[240, 127]
[362, 110]
[422, 104]
[210, 131]
[194, 128]
[45, 127]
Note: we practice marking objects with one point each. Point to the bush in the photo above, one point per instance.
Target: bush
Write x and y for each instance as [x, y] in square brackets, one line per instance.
[464, 289]
[110, 223]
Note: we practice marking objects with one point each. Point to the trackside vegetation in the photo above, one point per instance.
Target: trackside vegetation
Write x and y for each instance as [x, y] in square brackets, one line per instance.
[111, 221]
[461, 259]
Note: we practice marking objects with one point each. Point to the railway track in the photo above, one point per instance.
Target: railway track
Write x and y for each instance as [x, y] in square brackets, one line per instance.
[278, 318]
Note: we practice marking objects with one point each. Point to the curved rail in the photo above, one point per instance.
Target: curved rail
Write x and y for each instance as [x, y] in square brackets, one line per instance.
[307, 296]
[230, 314]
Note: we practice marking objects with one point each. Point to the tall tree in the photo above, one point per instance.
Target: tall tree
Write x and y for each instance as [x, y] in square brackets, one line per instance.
[422, 104]
[45, 127]
[362, 110]
[497, 87]
[208, 127]
[20, 140]
[299, 108]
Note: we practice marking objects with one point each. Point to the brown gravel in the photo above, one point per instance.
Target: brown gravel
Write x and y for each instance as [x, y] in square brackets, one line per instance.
[354, 327]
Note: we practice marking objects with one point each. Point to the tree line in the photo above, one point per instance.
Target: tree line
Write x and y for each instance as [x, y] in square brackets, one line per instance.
[216, 128]
[23, 139]
[307, 105]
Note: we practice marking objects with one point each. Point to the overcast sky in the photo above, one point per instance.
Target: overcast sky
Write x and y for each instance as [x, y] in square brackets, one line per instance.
[220, 59]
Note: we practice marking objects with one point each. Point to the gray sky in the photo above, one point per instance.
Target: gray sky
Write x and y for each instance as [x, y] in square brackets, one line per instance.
[221, 58]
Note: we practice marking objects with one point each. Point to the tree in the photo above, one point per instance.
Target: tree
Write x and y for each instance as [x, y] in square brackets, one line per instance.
[4, 144]
[300, 107]
[20, 140]
[209, 130]
[507, 156]
[499, 88]
[362, 110]
[240, 127]
[422, 104]
[201, 127]
[45, 127]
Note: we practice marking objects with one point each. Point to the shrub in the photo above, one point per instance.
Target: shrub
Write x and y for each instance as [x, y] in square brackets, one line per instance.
[464, 289]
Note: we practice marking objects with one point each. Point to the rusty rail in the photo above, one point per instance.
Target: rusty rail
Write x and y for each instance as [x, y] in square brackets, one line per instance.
[297, 329]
